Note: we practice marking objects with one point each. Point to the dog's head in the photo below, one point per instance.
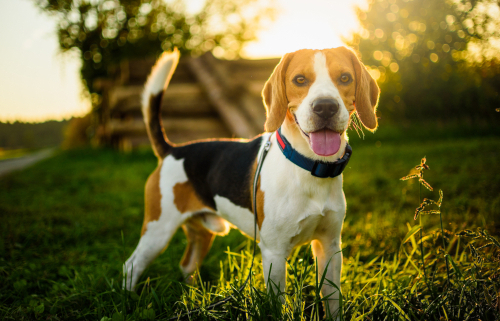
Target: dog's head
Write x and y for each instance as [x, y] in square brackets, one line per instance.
[312, 94]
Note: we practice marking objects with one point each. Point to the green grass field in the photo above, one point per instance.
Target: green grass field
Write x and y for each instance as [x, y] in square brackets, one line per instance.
[69, 223]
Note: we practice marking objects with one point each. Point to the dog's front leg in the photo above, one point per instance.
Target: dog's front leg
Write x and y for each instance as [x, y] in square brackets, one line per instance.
[328, 252]
[274, 265]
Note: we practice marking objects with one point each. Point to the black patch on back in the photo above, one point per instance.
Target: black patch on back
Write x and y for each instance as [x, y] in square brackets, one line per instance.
[220, 168]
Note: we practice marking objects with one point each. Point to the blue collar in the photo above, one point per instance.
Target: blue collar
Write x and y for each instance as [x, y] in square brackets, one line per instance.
[317, 168]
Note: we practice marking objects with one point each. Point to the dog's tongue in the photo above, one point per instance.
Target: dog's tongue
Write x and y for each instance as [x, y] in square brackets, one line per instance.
[325, 142]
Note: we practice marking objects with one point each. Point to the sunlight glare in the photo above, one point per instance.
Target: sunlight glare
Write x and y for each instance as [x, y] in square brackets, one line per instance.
[316, 24]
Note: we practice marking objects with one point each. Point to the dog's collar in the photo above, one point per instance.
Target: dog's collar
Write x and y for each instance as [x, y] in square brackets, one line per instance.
[317, 168]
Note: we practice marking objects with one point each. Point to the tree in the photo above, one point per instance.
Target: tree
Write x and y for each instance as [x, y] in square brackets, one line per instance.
[419, 52]
[104, 32]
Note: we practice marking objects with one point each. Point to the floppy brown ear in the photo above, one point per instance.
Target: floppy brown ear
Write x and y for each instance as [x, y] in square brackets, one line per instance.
[367, 93]
[274, 94]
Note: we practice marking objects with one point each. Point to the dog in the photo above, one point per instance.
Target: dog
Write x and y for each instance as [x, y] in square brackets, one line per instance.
[206, 187]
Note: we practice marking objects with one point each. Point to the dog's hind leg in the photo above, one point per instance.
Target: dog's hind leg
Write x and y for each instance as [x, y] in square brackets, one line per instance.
[199, 242]
[158, 228]
[151, 244]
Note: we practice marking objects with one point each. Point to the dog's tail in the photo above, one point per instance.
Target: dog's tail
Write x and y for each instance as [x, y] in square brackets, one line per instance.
[156, 85]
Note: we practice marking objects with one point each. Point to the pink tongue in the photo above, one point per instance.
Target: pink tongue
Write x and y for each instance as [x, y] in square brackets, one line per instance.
[325, 142]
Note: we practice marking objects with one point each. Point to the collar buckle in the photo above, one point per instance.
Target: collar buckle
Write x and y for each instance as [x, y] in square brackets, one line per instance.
[320, 169]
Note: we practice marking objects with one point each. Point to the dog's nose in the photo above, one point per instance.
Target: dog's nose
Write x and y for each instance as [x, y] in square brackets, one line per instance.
[325, 108]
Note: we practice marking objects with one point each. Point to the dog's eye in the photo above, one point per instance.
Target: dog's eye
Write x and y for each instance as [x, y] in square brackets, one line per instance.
[300, 80]
[345, 78]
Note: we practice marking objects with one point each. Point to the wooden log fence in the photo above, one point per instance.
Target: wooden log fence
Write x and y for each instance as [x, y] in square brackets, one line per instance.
[207, 97]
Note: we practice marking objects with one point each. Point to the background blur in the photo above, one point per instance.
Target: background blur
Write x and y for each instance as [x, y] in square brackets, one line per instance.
[434, 60]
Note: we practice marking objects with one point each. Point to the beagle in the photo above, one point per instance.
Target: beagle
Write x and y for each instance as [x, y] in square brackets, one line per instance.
[205, 187]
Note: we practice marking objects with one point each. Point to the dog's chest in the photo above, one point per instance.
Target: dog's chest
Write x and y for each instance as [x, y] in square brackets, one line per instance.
[297, 205]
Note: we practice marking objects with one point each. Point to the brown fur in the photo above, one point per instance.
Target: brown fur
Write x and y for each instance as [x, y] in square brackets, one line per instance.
[199, 242]
[260, 196]
[275, 96]
[185, 198]
[280, 96]
[260, 205]
[152, 199]
[301, 64]
[367, 91]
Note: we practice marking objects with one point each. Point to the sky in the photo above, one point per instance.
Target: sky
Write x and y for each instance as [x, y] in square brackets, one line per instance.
[38, 83]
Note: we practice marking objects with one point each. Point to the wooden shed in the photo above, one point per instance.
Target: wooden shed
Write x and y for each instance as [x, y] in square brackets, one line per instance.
[207, 97]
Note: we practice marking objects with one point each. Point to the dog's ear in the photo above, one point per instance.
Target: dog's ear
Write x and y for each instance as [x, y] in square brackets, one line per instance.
[274, 94]
[367, 93]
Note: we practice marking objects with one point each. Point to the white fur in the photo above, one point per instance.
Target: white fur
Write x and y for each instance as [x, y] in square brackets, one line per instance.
[236, 215]
[159, 78]
[159, 232]
[318, 204]
[214, 223]
[300, 208]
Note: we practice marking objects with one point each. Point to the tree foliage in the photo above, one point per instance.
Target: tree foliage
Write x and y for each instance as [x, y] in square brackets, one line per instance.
[420, 51]
[104, 32]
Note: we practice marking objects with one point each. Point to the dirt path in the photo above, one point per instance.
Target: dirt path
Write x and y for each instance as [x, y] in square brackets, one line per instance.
[11, 165]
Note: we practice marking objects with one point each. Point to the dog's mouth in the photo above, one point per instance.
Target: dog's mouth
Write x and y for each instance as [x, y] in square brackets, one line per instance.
[323, 142]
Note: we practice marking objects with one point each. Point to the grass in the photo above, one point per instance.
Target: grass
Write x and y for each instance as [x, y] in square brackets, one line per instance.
[69, 222]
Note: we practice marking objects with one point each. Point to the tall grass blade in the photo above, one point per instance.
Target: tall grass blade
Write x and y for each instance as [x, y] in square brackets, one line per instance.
[411, 232]
[398, 308]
